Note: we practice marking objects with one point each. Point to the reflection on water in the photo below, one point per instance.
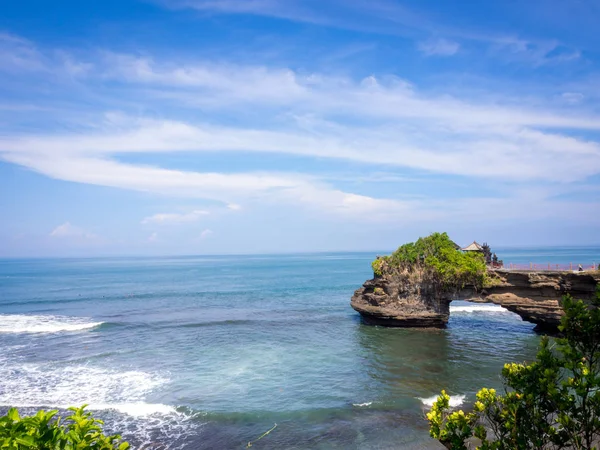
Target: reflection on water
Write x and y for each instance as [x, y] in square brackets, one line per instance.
[405, 364]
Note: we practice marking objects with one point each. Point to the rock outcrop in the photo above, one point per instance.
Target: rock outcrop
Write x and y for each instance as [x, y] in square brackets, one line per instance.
[411, 299]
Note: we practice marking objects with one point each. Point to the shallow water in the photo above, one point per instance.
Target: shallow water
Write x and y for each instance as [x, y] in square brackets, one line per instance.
[211, 352]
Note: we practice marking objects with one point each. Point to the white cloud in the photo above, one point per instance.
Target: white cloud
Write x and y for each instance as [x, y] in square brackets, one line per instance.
[532, 52]
[206, 234]
[377, 121]
[439, 47]
[501, 150]
[66, 230]
[226, 87]
[153, 237]
[572, 97]
[174, 218]
[18, 54]
[234, 207]
[376, 16]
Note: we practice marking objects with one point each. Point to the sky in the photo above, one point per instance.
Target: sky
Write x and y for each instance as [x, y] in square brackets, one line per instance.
[164, 127]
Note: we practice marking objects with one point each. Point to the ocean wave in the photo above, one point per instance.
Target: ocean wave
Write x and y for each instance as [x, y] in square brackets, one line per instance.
[361, 405]
[22, 323]
[214, 323]
[122, 398]
[137, 410]
[479, 309]
[53, 386]
[455, 400]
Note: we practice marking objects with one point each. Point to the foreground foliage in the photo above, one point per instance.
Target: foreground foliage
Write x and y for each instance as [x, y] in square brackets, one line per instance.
[552, 403]
[437, 254]
[79, 431]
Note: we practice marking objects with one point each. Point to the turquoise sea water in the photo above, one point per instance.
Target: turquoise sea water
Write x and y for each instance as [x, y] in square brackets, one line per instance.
[211, 352]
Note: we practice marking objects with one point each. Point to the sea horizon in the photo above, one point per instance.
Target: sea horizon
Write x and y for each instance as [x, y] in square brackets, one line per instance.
[497, 249]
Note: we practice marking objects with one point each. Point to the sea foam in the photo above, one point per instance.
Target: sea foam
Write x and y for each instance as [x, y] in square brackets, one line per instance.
[479, 309]
[31, 385]
[137, 409]
[21, 323]
[362, 405]
[120, 397]
[455, 400]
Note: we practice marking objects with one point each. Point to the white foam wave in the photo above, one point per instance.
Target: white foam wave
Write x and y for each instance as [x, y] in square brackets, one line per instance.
[479, 309]
[53, 386]
[21, 323]
[360, 405]
[138, 409]
[455, 400]
[125, 399]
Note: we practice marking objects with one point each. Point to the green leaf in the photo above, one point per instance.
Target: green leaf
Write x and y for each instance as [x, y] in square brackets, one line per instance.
[27, 441]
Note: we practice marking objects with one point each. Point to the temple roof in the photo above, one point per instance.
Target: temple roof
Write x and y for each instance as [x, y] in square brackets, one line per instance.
[474, 247]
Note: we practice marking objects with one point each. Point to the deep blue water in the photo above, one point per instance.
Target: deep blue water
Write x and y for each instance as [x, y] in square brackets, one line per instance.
[210, 352]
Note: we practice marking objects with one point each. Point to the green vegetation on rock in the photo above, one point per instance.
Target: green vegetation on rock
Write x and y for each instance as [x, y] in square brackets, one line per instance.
[436, 254]
[552, 403]
[44, 431]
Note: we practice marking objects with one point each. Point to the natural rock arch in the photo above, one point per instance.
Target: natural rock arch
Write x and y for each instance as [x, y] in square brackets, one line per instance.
[410, 299]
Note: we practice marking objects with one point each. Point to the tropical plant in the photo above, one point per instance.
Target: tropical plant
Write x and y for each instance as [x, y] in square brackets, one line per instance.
[552, 403]
[45, 431]
[448, 267]
[487, 253]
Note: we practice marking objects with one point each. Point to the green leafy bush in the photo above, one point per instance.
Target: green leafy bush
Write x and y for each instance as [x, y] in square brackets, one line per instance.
[378, 266]
[552, 403]
[79, 431]
[449, 267]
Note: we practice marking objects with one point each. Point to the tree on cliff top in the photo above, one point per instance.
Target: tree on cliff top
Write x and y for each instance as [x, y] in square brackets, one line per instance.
[552, 403]
[441, 257]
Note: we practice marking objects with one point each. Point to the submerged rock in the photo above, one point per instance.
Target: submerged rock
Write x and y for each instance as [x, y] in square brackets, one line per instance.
[411, 298]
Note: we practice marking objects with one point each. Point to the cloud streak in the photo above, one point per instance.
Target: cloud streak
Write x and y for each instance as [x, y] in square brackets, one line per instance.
[175, 218]
[68, 231]
[373, 122]
[439, 47]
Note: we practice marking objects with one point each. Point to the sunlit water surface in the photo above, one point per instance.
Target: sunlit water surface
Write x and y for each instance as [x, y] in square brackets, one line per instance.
[211, 352]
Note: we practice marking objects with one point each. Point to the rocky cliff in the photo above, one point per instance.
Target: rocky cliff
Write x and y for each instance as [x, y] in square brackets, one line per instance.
[409, 298]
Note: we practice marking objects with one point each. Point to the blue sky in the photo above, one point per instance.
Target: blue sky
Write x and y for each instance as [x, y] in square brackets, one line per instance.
[258, 126]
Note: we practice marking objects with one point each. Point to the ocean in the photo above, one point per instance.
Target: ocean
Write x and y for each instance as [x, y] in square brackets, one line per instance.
[210, 352]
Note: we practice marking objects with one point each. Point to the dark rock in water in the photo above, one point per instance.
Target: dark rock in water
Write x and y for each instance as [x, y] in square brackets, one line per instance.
[410, 298]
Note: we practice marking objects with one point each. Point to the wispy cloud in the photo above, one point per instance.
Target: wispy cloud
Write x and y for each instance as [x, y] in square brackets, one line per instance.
[66, 230]
[206, 234]
[175, 218]
[572, 97]
[222, 86]
[439, 47]
[388, 17]
[377, 121]
[379, 16]
[19, 54]
[533, 52]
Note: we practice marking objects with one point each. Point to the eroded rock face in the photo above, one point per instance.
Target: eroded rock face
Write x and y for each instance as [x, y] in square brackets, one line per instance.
[410, 299]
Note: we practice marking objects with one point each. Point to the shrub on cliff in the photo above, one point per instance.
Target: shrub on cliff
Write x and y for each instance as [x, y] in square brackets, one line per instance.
[552, 403]
[79, 431]
[438, 255]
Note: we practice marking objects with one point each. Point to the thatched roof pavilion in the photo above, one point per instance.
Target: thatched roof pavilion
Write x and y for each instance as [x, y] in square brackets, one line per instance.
[474, 247]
